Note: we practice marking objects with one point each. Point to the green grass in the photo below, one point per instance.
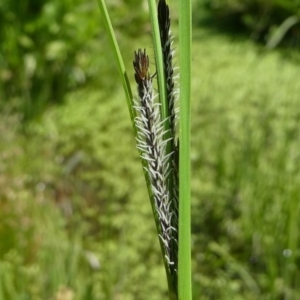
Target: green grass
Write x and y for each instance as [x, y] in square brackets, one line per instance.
[184, 231]
[245, 179]
[245, 168]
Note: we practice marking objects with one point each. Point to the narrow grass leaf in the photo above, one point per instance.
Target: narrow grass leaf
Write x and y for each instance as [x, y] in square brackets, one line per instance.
[159, 61]
[118, 58]
[184, 251]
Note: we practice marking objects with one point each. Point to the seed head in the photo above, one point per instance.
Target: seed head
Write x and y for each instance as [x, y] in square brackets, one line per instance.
[141, 66]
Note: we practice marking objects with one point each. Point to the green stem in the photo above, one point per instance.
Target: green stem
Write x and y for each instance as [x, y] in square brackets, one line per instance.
[184, 251]
[159, 61]
[119, 60]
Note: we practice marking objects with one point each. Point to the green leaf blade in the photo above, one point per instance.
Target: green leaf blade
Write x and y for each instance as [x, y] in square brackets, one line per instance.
[184, 251]
[119, 60]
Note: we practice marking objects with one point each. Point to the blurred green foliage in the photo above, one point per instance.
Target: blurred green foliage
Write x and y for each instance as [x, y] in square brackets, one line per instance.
[259, 18]
[50, 47]
[246, 172]
[76, 222]
[70, 207]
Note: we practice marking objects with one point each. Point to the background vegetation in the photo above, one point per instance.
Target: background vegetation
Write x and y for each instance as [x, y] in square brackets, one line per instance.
[76, 222]
[262, 20]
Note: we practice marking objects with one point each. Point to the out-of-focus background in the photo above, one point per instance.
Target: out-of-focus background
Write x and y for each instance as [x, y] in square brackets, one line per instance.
[75, 220]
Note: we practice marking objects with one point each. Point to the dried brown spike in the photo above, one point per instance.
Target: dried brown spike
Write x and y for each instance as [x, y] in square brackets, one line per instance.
[141, 66]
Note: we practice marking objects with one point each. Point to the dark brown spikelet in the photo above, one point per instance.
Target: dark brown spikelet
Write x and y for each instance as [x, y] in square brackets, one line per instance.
[164, 19]
[141, 67]
[166, 42]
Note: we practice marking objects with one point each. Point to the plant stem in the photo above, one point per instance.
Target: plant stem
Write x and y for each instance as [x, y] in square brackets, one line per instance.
[184, 243]
[119, 60]
[159, 61]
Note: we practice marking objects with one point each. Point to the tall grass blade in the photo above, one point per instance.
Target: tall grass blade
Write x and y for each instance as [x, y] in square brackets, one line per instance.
[159, 62]
[184, 251]
[119, 59]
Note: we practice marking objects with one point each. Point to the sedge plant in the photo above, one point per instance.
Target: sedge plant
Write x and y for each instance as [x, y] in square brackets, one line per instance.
[165, 154]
